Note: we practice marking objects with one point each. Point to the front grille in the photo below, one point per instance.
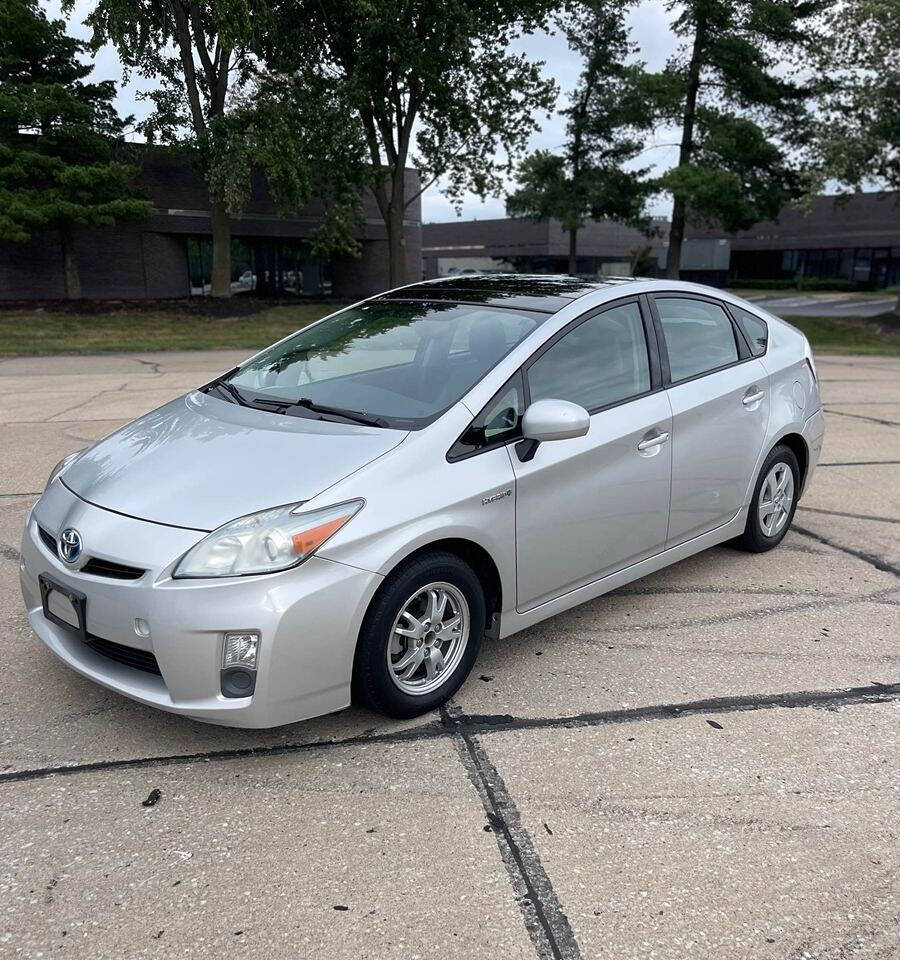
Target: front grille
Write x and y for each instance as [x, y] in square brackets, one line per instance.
[107, 568]
[129, 656]
[49, 540]
[95, 566]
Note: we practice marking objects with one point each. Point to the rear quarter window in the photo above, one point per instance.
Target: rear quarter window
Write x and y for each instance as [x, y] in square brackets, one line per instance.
[754, 329]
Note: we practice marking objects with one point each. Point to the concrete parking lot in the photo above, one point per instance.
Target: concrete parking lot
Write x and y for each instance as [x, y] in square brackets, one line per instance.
[704, 764]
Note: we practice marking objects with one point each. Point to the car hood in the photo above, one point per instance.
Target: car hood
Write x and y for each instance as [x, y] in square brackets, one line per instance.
[199, 461]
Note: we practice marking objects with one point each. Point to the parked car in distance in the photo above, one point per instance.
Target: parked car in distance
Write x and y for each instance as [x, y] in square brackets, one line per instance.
[349, 512]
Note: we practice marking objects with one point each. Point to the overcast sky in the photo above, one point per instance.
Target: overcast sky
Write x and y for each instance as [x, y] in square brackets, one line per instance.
[649, 24]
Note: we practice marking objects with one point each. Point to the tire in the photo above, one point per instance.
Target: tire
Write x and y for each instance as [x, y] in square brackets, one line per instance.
[766, 530]
[392, 673]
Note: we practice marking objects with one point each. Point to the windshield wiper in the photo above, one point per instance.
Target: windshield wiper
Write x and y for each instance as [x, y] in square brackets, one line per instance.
[357, 416]
[232, 391]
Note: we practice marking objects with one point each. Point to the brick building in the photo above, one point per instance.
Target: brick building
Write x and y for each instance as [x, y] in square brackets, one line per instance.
[170, 253]
[857, 240]
[532, 246]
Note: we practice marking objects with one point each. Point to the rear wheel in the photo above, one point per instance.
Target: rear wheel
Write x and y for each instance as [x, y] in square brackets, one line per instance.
[774, 501]
[420, 636]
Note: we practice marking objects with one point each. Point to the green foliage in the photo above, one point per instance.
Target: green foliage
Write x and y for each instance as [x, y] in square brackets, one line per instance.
[859, 133]
[607, 112]
[736, 177]
[215, 99]
[735, 91]
[444, 70]
[60, 136]
[754, 284]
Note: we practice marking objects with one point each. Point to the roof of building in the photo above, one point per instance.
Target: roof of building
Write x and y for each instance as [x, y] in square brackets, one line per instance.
[543, 292]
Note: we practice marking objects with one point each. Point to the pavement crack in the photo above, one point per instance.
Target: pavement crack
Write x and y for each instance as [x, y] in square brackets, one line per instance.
[761, 613]
[84, 403]
[859, 463]
[9, 553]
[875, 693]
[475, 724]
[860, 416]
[153, 364]
[879, 563]
[851, 516]
[546, 922]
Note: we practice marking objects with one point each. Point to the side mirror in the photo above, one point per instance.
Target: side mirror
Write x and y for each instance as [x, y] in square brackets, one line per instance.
[547, 420]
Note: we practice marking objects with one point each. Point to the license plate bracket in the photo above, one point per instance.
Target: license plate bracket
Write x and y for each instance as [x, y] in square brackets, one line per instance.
[75, 597]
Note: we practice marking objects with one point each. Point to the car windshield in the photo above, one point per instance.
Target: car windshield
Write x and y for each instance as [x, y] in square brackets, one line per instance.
[399, 363]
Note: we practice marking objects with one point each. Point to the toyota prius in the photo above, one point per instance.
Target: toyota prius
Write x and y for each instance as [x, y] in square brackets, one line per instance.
[349, 513]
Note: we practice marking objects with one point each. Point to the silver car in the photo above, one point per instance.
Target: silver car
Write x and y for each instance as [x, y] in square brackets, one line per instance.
[349, 512]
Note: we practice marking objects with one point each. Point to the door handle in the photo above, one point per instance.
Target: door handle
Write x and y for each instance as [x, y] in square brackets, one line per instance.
[752, 398]
[661, 436]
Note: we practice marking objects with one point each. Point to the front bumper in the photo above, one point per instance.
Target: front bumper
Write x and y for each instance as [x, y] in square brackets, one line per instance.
[308, 619]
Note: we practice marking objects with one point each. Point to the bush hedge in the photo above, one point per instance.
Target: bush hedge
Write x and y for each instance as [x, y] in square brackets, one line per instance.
[800, 283]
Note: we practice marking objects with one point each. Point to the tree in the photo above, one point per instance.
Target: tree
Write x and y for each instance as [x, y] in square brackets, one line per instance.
[740, 112]
[858, 135]
[433, 85]
[215, 100]
[59, 136]
[606, 112]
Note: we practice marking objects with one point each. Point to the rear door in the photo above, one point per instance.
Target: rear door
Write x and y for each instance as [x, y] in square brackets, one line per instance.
[720, 408]
[588, 506]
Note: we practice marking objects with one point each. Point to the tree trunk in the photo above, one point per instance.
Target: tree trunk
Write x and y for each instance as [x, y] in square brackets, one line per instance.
[396, 242]
[573, 252]
[221, 252]
[676, 239]
[70, 264]
[679, 206]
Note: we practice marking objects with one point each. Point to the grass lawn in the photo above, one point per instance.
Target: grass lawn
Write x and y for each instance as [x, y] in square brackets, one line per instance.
[41, 332]
[849, 335]
[24, 332]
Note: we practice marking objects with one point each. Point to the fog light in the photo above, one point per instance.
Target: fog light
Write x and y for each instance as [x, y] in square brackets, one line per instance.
[241, 650]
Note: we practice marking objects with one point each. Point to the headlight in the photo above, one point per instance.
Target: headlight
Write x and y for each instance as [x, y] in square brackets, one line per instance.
[265, 542]
[58, 469]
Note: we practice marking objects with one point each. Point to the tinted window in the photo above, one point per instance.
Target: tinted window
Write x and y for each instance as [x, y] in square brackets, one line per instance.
[499, 421]
[699, 336]
[601, 361]
[403, 361]
[755, 330]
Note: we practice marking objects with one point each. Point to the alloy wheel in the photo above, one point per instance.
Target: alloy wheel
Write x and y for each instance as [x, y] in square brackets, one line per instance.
[775, 498]
[428, 638]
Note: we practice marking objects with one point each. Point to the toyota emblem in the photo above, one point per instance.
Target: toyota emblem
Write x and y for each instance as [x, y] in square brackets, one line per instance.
[69, 545]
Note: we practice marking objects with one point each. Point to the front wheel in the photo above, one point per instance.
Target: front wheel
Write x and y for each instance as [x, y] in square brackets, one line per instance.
[774, 501]
[420, 637]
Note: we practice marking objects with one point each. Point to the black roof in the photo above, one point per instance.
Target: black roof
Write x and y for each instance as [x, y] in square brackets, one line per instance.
[541, 292]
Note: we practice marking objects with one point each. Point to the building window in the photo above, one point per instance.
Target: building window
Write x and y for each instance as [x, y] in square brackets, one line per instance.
[271, 268]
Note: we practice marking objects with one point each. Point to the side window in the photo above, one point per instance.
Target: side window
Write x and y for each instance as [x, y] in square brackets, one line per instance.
[699, 336]
[755, 330]
[599, 362]
[498, 422]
